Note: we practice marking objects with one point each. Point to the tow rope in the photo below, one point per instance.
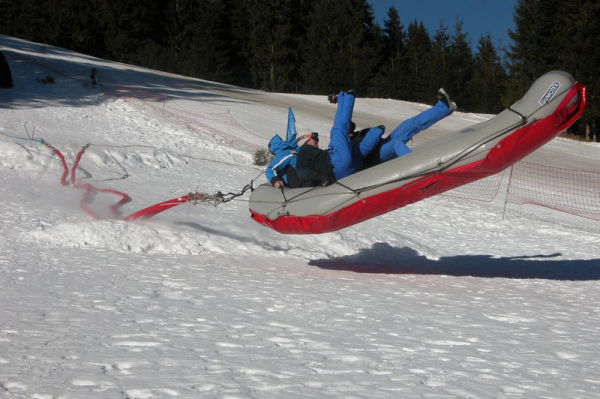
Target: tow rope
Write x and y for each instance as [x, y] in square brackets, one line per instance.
[146, 213]
[88, 188]
[195, 197]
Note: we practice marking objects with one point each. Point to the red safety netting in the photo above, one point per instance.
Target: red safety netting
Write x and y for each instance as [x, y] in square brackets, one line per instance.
[481, 190]
[576, 192]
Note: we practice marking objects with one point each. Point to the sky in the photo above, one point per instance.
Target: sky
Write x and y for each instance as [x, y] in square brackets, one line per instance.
[479, 16]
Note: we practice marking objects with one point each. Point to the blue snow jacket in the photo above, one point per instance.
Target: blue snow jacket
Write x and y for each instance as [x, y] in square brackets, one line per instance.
[284, 158]
[284, 161]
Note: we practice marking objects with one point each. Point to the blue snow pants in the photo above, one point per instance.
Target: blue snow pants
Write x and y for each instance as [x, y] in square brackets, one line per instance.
[395, 144]
[345, 158]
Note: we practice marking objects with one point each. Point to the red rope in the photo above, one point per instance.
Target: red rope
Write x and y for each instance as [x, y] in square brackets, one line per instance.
[63, 179]
[147, 213]
[88, 188]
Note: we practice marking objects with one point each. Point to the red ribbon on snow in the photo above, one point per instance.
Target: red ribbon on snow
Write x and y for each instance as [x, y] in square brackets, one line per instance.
[88, 188]
[147, 213]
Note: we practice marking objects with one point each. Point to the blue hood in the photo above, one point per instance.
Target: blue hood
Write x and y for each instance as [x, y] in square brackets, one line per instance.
[276, 144]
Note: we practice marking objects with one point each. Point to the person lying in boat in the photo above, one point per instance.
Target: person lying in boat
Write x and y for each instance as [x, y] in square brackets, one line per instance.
[395, 145]
[303, 164]
[311, 166]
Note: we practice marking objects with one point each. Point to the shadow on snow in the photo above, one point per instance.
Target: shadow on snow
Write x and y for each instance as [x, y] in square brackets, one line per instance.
[383, 258]
[30, 61]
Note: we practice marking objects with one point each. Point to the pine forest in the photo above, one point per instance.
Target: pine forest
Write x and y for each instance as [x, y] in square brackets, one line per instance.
[322, 46]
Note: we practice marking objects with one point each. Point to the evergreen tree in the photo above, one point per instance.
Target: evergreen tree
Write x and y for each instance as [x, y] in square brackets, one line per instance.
[460, 68]
[273, 56]
[418, 48]
[577, 44]
[365, 47]
[27, 19]
[549, 35]
[76, 25]
[322, 46]
[339, 51]
[523, 52]
[86, 31]
[440, 60]
[236, 28]
[196, 40]
[587, 41]
[326, 65]
[489, 78]
[391, 78]
[134, 31]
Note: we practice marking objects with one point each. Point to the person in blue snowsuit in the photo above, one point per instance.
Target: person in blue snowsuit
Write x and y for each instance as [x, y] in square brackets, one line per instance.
[395, 145]
[317, 167]
[307, 165]
[300, 163]
[347, 158]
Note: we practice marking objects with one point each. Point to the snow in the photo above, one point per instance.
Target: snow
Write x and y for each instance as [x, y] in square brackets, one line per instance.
[445, 298]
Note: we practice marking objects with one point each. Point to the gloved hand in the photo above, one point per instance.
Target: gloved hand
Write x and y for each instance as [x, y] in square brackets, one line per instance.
[325, 180]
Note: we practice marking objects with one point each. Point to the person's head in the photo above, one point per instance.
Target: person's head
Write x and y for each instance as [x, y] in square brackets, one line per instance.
[309, 139]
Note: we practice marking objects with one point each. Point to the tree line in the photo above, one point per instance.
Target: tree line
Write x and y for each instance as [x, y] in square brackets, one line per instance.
[321, 46]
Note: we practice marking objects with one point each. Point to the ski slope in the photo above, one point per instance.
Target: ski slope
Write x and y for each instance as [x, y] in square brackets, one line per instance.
[444, 298]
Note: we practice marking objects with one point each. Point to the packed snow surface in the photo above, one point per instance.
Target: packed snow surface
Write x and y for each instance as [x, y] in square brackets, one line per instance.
[446, 298]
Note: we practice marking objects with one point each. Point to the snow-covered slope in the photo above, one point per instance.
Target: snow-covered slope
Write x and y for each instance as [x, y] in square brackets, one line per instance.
[441, 299]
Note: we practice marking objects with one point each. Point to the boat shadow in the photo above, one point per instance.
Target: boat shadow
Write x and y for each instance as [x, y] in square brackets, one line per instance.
[29, 61]
[383, 258]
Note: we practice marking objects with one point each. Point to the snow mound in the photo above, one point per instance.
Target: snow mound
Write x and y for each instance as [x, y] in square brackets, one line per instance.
[136, 159]
[121, 236]
[22, 158]
[172, 238]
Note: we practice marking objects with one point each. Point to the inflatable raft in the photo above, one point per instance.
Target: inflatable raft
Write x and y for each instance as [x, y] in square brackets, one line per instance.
[552, 104]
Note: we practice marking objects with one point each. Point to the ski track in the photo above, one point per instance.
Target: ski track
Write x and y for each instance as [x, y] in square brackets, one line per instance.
[441, 299]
